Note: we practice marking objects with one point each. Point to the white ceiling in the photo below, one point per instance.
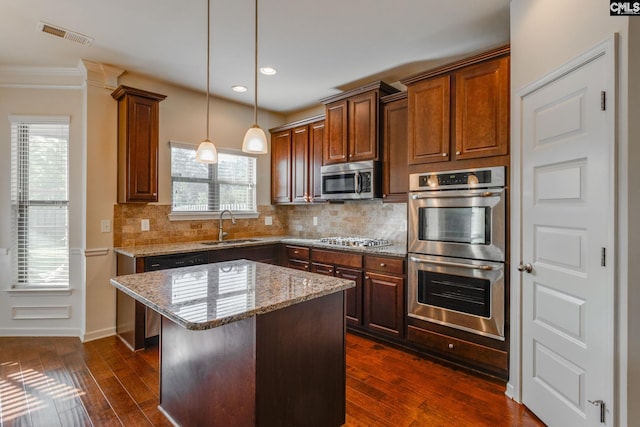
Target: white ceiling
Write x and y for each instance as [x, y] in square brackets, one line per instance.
[319, 47]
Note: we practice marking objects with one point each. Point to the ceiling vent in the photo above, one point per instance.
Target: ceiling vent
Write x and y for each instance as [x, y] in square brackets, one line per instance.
[56, 31]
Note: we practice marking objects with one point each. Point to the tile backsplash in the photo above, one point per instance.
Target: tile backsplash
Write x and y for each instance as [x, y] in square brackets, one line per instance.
[372, 219]
[363, 219]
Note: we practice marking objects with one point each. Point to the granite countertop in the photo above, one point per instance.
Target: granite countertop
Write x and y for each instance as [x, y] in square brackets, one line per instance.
[397, 250]
[211, 295]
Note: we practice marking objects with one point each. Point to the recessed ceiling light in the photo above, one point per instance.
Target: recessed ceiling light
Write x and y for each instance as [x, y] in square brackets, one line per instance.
[239, 88]
[268, 71]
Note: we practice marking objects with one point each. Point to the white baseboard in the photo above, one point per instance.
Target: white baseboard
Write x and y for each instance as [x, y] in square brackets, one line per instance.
[96, 335]
[510, 392]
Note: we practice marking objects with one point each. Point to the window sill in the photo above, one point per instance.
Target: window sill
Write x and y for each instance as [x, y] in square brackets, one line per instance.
[38, 292]
[191, 216]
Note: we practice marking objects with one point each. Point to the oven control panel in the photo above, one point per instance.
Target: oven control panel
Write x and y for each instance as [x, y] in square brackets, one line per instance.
[450, 180]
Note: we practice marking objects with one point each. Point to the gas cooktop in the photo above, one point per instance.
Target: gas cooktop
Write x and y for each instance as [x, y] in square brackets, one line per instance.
[355, 241]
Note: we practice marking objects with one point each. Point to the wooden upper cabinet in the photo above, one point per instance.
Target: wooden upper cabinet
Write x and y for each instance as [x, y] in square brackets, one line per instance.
[281, 167]
[336, 148]
[363, 127]
[482, 109]
[300, 164]
[395, 174]
[296, 158]
[429, 120]
[138, 133]
[460, 112]
[352, 124]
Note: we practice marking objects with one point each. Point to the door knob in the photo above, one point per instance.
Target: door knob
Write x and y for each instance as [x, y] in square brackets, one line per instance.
[527, 268]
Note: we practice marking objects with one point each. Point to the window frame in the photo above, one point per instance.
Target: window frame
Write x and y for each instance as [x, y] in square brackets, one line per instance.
[211, 180]
[20, 203]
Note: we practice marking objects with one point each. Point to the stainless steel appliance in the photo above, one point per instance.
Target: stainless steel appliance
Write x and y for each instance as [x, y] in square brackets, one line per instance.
[351, 181]
[457, 249]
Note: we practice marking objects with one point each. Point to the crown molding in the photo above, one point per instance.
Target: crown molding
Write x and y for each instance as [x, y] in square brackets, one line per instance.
[102, 75]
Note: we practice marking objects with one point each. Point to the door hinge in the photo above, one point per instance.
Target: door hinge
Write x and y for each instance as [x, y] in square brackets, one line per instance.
[603, 100]
[603, 257]
[603, 408]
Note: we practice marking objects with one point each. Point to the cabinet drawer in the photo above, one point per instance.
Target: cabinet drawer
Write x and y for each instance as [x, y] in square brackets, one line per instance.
[298, 264]
[344, 259]
[485, 358]
[297, 252]
[384, 264]
[325, 269]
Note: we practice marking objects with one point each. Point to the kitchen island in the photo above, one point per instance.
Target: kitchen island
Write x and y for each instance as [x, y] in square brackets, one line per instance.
[244, 343]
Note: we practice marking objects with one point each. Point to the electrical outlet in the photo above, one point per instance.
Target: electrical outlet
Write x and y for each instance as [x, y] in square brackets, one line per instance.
[144, 225]
[268, 220]
[105, 226]
[315, 220]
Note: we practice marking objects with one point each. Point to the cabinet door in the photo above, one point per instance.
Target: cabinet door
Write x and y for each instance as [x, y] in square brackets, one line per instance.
[281, 167]
[482, 110]
[363, 127]
[335, 146]
[316, 141]
[353, 295]
[429, 120]
[138, 143]
[300, 164]
[383, 302]
[395, 174]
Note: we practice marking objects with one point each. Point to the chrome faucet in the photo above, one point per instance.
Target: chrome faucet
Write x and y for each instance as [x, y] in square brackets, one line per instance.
[221, 233]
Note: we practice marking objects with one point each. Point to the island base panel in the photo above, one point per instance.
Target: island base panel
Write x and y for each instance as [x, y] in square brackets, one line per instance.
[208, 377]
[301, 364]
[286, 367]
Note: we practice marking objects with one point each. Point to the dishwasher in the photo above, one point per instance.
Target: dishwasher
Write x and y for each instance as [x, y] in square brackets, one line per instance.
[164, 262]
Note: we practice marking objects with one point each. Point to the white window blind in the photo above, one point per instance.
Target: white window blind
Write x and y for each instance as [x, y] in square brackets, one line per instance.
[40, 201]
[198, 187]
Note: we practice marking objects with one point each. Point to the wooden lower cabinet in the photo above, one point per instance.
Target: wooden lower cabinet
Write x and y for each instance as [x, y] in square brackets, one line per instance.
[383, 302]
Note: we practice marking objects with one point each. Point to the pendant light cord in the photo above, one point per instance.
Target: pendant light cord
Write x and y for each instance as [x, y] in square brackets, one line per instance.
[255, 74]
[208, 60]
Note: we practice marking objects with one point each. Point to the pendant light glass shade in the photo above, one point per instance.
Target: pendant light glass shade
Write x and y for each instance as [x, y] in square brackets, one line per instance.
[207, 152]
[255, 141]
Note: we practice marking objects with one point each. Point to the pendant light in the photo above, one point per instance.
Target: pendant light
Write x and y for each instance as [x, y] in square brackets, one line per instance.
[255, 141]
[207, 152]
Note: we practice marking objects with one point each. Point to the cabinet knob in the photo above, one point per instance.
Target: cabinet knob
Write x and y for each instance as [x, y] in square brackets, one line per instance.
[296, 252]
[457, 153]
[366, 277]
[382, 264]
[306, 267]
[450, 346]
[384, 196]
[444, 154]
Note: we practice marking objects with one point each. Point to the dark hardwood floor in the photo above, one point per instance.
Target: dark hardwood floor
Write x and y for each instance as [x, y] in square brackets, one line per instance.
[63, 382]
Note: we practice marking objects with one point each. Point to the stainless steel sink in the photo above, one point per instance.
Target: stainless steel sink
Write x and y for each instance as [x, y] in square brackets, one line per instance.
[229, 242]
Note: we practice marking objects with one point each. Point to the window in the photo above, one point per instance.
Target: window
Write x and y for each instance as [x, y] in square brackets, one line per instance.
[40, 201]
[198, 187]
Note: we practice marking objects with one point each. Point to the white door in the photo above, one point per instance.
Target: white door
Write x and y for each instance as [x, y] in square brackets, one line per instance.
[567, 240]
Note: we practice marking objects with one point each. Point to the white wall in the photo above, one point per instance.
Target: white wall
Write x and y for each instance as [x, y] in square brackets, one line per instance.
[544, 35]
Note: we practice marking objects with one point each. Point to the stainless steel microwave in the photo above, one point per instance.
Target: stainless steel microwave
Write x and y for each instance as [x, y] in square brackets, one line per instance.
[351, 181]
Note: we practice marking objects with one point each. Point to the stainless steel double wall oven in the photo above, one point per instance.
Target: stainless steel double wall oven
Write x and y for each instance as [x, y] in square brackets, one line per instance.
[457, 249]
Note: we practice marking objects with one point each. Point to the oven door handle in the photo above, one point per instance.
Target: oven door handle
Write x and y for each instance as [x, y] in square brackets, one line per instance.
[453, 264]
[451, 196]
